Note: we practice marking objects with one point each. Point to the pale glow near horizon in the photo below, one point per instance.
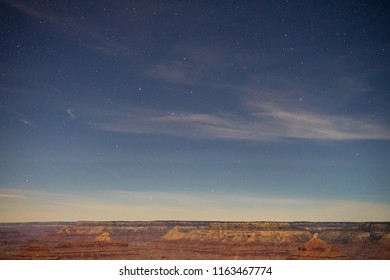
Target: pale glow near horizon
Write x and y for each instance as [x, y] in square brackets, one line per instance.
[33, 206]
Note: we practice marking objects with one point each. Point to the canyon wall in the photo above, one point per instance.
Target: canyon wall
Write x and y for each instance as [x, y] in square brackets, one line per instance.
[195, 240]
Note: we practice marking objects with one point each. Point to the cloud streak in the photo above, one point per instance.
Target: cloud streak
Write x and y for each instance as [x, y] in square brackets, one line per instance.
[69, 111]
[272, 113]
[28, 123]
[174, 72]
[264, 122]
[11, 196]
[89, 35]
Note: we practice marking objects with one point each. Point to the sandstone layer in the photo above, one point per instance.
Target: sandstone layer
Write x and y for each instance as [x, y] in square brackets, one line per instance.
[195, 240]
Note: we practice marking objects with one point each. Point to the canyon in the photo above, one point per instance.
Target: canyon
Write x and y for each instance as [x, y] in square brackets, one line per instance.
[145, 240]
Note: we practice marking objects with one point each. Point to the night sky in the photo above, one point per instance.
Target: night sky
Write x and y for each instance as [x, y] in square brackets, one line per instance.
[194, 110]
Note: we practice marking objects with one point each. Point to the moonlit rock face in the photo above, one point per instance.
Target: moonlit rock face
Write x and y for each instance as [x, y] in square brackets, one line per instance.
[104, 237]
[206, 110]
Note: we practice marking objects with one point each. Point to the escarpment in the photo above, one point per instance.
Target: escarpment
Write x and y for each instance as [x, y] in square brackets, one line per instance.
[237, 235]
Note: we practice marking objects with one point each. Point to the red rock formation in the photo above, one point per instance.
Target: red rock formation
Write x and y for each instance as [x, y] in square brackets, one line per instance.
[195, 240]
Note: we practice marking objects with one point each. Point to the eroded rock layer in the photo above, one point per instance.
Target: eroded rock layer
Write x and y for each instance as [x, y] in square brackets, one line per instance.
[195, 240]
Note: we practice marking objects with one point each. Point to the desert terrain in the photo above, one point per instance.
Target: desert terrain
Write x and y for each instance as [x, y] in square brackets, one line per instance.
[195, 240]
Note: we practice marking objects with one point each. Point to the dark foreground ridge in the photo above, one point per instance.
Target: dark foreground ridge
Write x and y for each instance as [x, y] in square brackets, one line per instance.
[194, 240]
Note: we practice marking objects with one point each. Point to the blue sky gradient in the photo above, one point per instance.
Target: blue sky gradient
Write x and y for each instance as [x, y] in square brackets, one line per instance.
[255, 110]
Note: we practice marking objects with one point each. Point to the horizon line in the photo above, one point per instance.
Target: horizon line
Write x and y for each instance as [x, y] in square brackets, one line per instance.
[193, 221]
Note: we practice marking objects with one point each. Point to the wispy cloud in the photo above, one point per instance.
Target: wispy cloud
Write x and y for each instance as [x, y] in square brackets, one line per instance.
[264, 122]
[288, 123]
[28, 123]
[193, 63]
[174, 72]
[91, 35]
[69, 111]
[28, 9]
[11, 196]
[274, 101]
[23, 119]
